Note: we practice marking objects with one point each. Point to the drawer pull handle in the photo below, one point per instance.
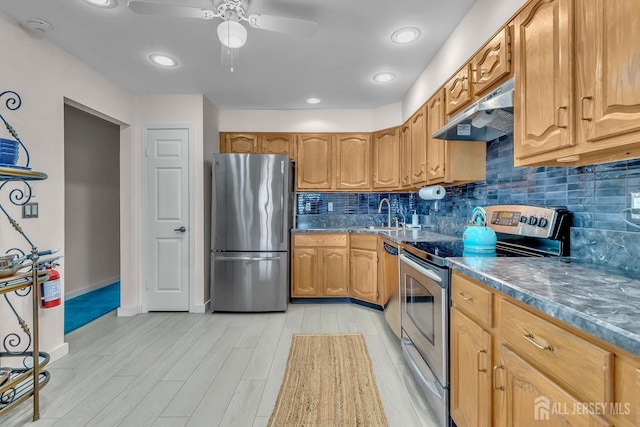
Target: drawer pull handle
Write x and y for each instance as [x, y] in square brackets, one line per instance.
[582, 117]
[558, 117]
[464, 297]
[532, 339]
[478, 360]
[495, 382]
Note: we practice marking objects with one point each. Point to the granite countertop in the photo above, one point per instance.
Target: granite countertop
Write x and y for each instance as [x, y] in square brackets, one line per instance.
[398, 236]
[599, 300]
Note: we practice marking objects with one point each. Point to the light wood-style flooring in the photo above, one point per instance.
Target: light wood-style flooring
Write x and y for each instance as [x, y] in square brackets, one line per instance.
[222, 369]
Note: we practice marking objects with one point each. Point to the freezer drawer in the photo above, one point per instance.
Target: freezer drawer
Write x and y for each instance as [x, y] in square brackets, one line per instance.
[250, 281]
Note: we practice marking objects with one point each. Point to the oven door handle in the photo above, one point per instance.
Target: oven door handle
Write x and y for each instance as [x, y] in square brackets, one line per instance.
[409, 351]
[430, 274]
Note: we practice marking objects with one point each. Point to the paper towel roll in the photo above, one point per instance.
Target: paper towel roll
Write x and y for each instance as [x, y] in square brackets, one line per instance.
[434, 192]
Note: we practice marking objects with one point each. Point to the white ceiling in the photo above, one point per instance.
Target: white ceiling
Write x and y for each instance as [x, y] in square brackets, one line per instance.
[274, 71]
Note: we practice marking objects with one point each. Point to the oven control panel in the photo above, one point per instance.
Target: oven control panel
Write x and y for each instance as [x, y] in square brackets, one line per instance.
[523, 220]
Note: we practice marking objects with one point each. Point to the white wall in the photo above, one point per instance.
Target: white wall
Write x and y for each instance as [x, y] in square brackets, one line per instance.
[478, 25]
[92, 202]
[44, 76]
[181, 110]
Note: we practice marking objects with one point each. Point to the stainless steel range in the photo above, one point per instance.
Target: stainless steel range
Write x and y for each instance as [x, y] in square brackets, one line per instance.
[424, 288]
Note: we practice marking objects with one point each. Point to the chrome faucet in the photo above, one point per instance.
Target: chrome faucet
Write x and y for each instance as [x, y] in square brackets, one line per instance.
[388, 212]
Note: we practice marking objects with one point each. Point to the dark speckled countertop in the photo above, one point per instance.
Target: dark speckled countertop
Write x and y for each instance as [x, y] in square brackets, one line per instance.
[400, 235]
[602, 301]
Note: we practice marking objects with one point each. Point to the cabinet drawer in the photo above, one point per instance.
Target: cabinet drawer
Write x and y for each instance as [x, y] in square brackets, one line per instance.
[472, 298]
[320, 239]
[368, 242]
[582, 367]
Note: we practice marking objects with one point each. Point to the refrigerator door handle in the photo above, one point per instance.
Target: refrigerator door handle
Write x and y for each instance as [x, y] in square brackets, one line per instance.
[246, 258]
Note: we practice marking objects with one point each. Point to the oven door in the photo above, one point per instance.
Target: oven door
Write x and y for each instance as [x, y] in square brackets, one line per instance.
[424, 317]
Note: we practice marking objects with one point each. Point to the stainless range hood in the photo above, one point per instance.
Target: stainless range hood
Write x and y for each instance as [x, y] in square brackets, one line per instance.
[488, 118]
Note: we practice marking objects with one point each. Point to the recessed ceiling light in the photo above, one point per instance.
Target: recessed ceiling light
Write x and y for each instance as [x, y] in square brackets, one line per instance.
[163, 60]
[102, 3]
[313, 100]
[384, 77]
[405, 35]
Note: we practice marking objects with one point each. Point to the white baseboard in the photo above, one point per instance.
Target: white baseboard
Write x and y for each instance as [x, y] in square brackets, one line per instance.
[128, 311]
[202, 308]
[92, 287]
[58, 352]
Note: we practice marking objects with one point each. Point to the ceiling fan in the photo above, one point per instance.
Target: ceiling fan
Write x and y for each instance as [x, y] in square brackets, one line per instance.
[231, 32]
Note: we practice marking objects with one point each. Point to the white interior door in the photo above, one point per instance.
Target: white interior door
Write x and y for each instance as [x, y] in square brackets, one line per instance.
[167, 279]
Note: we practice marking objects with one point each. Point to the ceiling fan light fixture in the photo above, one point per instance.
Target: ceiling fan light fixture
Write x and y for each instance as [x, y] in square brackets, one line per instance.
[405, 35]
[384, 77]
[232, 34]
[163, 60]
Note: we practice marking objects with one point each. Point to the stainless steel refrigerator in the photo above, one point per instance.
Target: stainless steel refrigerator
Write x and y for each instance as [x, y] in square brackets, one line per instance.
[251, 214]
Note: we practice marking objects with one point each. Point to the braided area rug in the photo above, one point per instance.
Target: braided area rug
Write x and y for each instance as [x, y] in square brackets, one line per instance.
[328, 382]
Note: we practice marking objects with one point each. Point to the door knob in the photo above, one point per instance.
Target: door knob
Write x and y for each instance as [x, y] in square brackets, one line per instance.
[181, 229]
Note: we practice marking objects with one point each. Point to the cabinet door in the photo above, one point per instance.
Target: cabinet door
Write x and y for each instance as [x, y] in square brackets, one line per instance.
[386, 159]
[277, 143]
[304, 272]
[353, 162]
[543, 87]
[240, 143]
[405, 155]
[364, 275]
[419, 147]
[435, 147]
[470, 372]
[314, 162]
[608, 72]
[458, 91]
[526, 397]
[491, 63]
[335, 272]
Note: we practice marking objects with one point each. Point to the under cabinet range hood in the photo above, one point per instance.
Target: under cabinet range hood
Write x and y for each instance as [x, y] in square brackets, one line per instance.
[488, 118]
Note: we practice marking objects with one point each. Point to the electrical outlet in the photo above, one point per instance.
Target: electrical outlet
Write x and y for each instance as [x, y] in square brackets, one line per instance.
[330, 206]
[307, 206]
[635, 205]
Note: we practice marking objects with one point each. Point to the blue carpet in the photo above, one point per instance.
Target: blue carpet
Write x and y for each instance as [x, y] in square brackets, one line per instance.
[84, 308]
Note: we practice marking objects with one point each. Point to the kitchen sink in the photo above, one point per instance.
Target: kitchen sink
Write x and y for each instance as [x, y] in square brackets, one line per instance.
[379, 228]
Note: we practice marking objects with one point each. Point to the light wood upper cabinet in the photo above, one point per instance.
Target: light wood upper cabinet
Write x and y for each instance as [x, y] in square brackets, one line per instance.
[608, 73]
[419, 147]
[471, 350]
[239, 143]
[386, 159]
[436, 118]
[405, 155]
[458, 91]
[278, 143]
[543, 37]
[315, 162]
[492, 63]
[353, 161]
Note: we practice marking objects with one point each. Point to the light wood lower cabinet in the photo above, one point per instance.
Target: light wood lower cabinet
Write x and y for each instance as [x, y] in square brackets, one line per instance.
[470, 372]
[514, 366]
[320, 265]
[363, 257]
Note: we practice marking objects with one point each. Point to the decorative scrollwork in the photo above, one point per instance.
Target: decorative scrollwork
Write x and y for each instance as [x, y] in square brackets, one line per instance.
[12, 103]
[8, 396]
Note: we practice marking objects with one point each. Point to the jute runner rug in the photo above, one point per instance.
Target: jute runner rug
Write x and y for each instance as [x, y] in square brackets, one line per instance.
[328, 382]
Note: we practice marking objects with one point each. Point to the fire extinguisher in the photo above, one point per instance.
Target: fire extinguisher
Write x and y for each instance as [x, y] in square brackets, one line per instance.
[50, 295]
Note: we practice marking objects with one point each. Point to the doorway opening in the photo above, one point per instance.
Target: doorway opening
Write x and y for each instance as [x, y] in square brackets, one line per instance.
[92, 217]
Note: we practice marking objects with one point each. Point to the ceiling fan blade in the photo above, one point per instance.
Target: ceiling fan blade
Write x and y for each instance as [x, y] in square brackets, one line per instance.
[281, 24]
[147, 8]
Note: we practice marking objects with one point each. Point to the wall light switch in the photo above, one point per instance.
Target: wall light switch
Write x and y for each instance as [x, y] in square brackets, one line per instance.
[330, 206]
[307, 206]
[30, 210]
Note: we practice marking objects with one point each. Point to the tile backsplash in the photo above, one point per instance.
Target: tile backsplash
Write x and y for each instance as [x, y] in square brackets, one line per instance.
[595, 194]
